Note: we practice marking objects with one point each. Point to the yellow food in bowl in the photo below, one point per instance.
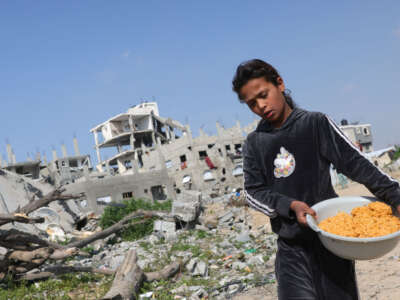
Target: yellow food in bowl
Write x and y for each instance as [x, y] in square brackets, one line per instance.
[372, 220]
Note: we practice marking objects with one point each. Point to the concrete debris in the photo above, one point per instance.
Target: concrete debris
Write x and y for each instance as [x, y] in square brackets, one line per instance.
[226, 218]
[228, 247]
[199, 294]
[145, 296]
[187, 206]
[165, 229]
[222, 262]
[153, 239]
[256, 260]
[17, 190]
[56, 233]
[210, 222]
[3, 252]
[197, 267]
[243, 237]
[238, 265]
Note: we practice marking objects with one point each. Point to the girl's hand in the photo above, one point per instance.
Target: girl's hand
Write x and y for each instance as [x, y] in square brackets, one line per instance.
[301, 209]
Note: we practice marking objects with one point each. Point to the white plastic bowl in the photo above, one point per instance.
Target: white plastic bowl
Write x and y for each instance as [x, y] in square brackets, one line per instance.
[349, 247]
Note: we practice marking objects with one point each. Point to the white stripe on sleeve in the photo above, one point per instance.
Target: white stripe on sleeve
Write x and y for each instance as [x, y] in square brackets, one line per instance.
[260, 206]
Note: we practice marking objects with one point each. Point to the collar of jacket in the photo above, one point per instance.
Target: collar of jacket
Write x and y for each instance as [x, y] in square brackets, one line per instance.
[265, 126]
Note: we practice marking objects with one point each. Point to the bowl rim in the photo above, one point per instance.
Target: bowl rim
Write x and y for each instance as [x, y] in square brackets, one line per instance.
[312, 223]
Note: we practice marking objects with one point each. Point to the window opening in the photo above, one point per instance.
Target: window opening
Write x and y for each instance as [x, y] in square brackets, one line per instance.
[127, 195]
[238, 148]
[203, 154]
[183, 162]
[158, 193]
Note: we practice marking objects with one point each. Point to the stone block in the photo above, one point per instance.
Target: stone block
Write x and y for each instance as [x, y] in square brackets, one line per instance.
[164, 227]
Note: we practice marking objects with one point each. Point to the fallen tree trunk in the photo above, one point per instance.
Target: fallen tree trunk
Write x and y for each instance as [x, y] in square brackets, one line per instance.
[128, 279]
[167, 272]
[64, 253]
[125, 222]
[30, 256]
[21, 218]
[54, 271]
[20, 240]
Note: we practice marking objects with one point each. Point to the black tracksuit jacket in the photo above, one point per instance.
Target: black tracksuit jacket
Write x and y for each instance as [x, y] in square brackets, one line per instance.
[293, 163]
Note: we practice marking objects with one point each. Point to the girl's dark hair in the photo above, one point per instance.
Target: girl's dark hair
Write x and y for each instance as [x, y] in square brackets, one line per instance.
[257, 68]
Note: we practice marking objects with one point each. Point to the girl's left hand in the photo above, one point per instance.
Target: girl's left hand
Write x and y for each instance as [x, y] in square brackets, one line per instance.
[301, 209]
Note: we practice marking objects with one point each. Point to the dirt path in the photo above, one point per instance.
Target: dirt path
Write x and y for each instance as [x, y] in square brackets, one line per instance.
[378, 279]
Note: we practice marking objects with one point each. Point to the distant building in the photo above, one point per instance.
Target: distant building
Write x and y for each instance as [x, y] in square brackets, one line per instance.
[360, 135]
[30, 168]
[382, 158]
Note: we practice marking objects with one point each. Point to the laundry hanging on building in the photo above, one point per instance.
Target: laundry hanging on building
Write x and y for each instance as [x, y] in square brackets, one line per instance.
[209, 163]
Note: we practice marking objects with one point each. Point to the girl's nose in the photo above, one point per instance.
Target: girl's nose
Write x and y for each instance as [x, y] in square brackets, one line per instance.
[261, 104]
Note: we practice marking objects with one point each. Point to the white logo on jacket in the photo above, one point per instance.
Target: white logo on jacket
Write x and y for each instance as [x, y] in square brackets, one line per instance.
[284, 164]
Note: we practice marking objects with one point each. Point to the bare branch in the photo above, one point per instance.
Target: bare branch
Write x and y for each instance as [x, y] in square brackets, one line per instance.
[34, 205]
[15, 239]
[21, 218]
[54, 271]
[125, 222]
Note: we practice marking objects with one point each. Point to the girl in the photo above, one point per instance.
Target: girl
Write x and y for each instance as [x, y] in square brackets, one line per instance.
[286, 170]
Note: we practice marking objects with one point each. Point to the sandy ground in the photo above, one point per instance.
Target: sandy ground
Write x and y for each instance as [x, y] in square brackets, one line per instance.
[378, 279]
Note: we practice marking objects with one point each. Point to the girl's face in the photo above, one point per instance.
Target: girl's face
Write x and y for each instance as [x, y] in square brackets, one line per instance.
[266, 100]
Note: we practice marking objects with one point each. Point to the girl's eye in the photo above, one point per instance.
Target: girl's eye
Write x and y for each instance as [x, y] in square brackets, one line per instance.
[264, 95]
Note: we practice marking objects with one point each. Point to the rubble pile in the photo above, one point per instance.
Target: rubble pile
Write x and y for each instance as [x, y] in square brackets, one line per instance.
[209, 249]
[230, 250]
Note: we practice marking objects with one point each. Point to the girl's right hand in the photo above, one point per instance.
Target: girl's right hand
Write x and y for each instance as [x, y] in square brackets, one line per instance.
[301, 209]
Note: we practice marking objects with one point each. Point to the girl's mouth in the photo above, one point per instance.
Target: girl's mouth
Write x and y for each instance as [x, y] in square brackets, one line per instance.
[268, 114]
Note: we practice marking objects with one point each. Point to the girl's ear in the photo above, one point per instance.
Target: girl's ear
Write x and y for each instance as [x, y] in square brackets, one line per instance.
[281, 84]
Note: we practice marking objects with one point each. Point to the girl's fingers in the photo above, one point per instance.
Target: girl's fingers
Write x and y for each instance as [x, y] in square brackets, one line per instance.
[312, 212]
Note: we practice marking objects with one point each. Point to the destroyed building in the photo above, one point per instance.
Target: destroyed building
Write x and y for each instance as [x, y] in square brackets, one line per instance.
[146, 142]
[67, 169]
[30, 168]
[359, 134]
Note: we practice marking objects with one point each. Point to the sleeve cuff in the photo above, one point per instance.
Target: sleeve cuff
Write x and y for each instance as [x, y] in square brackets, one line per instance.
[283, 207]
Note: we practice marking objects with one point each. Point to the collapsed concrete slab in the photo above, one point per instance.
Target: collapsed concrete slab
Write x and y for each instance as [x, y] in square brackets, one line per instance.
[165, 229]
[187, 206]
[17, 190]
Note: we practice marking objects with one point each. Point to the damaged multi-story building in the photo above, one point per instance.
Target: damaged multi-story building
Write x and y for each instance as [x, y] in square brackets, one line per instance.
[144, 142]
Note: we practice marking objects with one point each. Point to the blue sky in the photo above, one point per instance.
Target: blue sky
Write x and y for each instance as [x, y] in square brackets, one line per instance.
[66, 66]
